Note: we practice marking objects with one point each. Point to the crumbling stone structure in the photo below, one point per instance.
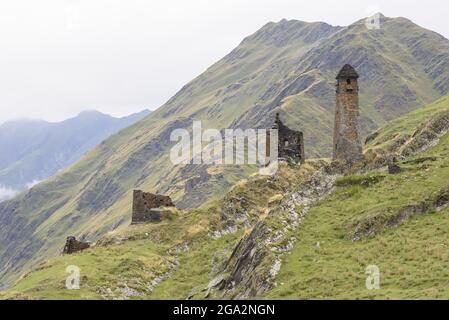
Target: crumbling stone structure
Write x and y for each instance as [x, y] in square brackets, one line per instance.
[290, 143]
[72, 245]
[147, 207]
[347, 145]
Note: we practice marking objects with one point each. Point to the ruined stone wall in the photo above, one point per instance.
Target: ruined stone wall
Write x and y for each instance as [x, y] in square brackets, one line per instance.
[290, 143]
[72, 245]
[146, 205]
[347, 145]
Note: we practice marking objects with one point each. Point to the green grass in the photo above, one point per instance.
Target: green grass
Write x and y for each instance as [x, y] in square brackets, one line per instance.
[359, 181]
[404, 127]
[412, 257]
[133, 257]
[412, 260]
[143, 253]
[412, 253]
[268, 72]
[99, 269]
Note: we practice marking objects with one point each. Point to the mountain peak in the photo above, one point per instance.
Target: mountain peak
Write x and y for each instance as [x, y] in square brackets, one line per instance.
[285, 32]
[90, 113]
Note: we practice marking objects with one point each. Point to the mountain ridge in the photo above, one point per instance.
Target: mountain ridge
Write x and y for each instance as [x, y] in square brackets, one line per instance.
[292, 73]
[34, 149]
[308, 232]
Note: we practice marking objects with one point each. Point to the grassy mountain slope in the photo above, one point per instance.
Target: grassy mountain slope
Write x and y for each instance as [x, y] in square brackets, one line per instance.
[397, 222]
[287, 66]
[406, 243]
[171, 259]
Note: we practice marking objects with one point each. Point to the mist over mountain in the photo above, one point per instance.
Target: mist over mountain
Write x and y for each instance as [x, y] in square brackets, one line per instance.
[287, 67]
[6, 193]
[33, 150]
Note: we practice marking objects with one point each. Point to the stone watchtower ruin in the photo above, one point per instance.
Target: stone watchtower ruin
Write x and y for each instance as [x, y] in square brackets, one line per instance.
[290, 143]
[148, 207]
[347, 145]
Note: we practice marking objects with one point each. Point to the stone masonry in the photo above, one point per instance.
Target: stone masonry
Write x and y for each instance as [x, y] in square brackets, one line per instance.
[72, 245]
[347, 145]
[290, 143]
[147, 207]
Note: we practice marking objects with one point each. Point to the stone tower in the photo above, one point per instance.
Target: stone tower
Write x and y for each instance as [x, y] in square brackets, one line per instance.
[347, 144]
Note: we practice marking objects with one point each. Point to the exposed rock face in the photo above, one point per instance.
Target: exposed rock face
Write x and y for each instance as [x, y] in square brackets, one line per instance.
[347, 144]
[146, 207]
[72, 245]
[256, 260]
[426, 135]
[401, 145]
[371, 226]
[291, 142]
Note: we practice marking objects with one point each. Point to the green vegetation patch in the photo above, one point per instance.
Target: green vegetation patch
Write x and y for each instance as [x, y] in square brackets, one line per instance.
[363, 181]
[406, 221]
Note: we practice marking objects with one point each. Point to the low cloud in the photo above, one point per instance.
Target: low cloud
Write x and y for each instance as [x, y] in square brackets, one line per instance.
[33, 183]
[6, 193]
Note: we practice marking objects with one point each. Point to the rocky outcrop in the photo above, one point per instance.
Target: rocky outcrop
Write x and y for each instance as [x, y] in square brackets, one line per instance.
[256, 259]
[427, 135]
[373, 224]
[404, 145]
[372, 136]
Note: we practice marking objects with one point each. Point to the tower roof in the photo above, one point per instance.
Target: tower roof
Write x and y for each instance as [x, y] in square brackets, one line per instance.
[277, 122]
[347, 72]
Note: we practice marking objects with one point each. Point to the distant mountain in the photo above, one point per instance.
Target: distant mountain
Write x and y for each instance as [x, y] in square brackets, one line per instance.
[287, 67]
[33, 150]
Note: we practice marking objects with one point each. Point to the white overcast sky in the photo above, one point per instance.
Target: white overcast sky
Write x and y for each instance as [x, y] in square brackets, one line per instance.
[60, 57]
